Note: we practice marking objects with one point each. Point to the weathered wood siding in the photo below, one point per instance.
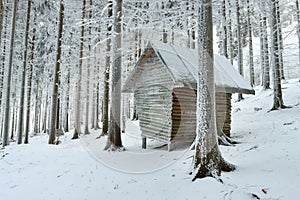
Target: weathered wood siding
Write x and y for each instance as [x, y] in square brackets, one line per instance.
[184, 114]
[154, 100]
[223, 108]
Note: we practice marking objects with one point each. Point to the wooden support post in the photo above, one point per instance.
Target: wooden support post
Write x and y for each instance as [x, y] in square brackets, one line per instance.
[170, 146]
[144, 142]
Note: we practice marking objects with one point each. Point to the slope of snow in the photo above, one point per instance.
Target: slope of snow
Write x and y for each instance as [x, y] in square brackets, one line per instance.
[267, 160]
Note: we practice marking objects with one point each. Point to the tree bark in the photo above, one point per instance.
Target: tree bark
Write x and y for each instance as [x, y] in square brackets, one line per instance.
[5, 140]
[266, 71]
[240, 47]
[114, 135]
[207, 159]
[298, 30]
[280, 40]
[55, 95]
[77, 130]
[278, 100]
[87, 105]
[106, 73]
[29, 85]
[251, 63]
[22, 95]
[224, 28]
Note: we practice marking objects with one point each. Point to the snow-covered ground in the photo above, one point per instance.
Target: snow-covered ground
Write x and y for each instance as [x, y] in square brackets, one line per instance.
[267, 160]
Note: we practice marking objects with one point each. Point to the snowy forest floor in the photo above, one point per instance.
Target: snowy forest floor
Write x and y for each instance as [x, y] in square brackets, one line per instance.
[267, 160]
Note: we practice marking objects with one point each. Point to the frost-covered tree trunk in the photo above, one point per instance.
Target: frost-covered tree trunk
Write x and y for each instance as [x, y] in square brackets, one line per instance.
[207, 159]
[251, 63]
[37, 107]
[114, 134]
[67, 98]
[224, 30]
[239, 41]
[229, 30]
[266, 64]
[56, 82]
[8, 75]
[107, 71]
[298, 29]
[1, 19]
[280, 39]
[261, 43]
[22, 95]
[3, 55]
[29, 83]
[77, 130]
[87, 104]
[278, 100]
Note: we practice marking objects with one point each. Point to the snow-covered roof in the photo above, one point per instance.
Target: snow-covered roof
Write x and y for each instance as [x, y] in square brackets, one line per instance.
[183, 66]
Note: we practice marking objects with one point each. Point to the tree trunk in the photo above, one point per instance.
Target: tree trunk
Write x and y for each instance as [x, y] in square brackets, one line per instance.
[224, 28]
[261, 42]
[229, 29]
[266, 71]
[77, 130]
[107, 71]
[66, 117]
[37, 105]
[3, 54]
[251, 63]
[29, 85]
[1, 20]
[5, 141]
[278, 100]
[298, 30]
[280, 40]
[114, 138]
[239, 40]
[55, 95]
[22, 95]
[207, 159]
[87, 105]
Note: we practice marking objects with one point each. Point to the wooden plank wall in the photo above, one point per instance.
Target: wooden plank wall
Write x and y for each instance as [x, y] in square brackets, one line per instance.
[223, 106]
[184, 113]
[154, 100]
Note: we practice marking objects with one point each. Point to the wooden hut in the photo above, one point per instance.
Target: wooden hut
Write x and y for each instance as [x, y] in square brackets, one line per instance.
[165, 90]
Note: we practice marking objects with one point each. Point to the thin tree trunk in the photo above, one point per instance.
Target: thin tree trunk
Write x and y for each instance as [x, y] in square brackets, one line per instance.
[5, 141]
[44, 124]
[229, 29]
[224, 24]
[298, 30]
[87, 105]
[266, 72]
[278, 100]
[22, 96]
[37, 105]
[251, 63]
[239, 40]
[77, 130]
[261, 41]
[107, 71]
[66, 112]
[114, 138]
[3, 54]
[280, 40]
[1, 20]
[29, 85]
[13, 123]
[55, 95]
